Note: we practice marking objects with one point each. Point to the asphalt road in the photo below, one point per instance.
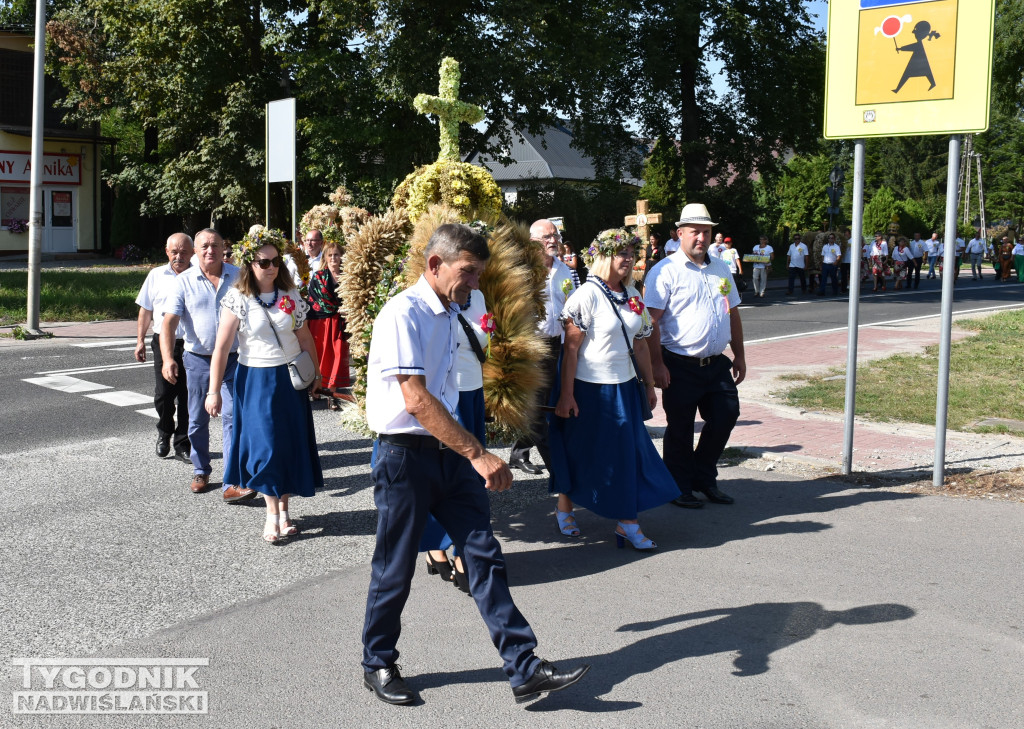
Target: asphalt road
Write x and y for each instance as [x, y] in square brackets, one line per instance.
[37, 413]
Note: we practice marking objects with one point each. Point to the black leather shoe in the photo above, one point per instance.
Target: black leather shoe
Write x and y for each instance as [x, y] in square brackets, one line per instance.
[183, 456]
[389, 685]
[163, 445]
[688, 501]
[715, 496]
[547, 678]
[526, 466]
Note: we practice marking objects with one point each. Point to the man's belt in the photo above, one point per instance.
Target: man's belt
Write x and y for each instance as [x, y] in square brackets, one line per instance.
[698, 361]
[412, 440]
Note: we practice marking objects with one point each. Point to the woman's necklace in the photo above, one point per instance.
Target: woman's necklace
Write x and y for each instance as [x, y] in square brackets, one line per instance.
[265, 305]
[618, 298]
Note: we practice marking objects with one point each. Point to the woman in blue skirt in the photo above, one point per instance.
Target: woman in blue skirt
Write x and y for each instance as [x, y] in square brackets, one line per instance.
[598, 410]
[273, 444]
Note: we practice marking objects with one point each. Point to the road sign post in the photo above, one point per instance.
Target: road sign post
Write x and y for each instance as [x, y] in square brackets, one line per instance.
[908, 67]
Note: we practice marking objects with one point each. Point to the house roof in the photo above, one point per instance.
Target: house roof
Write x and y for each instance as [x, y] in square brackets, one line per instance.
[546, 157]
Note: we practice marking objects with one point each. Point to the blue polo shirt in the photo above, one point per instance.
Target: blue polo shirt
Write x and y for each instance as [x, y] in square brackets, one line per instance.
[414, 334]
[198, 304]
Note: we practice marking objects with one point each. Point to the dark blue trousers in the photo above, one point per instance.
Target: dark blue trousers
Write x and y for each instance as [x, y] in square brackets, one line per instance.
[409, 483]
[711, 391]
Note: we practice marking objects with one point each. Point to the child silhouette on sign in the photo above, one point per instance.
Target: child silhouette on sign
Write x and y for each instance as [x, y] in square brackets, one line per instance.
[918, 64]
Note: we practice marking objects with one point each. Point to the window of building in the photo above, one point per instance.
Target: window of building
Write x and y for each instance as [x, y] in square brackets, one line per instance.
[14, 204]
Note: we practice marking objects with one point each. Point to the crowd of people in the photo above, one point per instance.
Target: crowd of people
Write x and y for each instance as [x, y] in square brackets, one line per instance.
[237, 340]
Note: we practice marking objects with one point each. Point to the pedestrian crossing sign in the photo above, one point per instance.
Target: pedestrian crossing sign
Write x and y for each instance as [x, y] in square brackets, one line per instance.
[908, 67]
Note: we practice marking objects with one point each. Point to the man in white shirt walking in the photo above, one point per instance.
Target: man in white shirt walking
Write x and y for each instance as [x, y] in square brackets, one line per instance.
[796, 263]
[830, 254]
[153, 303]
[559, 286]
[976, 252]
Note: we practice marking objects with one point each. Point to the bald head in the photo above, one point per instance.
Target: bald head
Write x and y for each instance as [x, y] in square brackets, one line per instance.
[179, 251]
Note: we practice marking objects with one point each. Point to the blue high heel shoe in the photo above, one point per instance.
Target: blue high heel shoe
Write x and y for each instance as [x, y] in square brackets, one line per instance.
[567, 523]
[635, 536]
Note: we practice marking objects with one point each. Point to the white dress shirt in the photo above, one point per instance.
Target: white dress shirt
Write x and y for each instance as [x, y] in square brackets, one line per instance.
[156, 293]
[558, 288]
[695, 320]
[468, 371]
[414, 334]
[198, 304]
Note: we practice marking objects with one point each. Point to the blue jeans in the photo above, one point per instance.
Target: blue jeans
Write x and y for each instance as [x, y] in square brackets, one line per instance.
[197, 369]
[932, 260]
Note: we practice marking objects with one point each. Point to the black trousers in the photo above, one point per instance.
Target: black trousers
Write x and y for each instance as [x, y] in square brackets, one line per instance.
[168, 398]
[711, 391]
[539, 428]
[915, 271]
[795, 272]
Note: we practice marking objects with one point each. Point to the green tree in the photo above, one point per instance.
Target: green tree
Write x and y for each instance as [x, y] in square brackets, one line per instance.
[771, 58]
[663, 177]
[803, 202]
[879, 212]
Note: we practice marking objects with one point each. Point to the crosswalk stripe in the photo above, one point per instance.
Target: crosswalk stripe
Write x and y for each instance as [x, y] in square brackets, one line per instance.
[151, 412]
[122, 398]
[63, 383]
[105, 343]
[98, 368]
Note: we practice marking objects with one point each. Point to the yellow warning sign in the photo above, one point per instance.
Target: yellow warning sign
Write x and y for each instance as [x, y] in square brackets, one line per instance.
[910, 67]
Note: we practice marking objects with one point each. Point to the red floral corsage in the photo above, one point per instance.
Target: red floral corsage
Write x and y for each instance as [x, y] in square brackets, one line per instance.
[636, 305]
[489, 325]
[286, 304]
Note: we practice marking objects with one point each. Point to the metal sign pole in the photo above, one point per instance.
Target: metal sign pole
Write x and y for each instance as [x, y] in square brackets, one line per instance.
[948, 276]
[266, 167]
[856, 252]
[35, 209]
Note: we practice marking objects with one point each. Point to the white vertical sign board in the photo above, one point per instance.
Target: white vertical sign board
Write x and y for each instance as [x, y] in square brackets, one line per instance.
[281, 150]
[281, 141]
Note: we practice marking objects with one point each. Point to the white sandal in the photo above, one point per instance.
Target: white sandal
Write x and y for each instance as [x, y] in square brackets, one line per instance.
[287, 528]
[270, 532]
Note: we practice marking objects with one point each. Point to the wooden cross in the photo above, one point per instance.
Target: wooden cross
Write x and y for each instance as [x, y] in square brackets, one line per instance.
[641, 220]
[448, 109]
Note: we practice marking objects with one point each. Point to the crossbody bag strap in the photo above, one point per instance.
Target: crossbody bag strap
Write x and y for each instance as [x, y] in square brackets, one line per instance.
[622, 325]
[473, 341]
[272, 327]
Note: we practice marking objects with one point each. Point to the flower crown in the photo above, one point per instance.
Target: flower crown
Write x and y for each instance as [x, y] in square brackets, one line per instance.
[609, 242]
[257, 237]
[482, 228]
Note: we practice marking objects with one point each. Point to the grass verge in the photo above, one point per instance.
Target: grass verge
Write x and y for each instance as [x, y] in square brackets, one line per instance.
[72, 295]
[984, 380]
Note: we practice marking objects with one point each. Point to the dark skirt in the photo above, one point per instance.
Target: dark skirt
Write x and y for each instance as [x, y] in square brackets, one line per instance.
[470, 414]
[603, 459]
[273, 443]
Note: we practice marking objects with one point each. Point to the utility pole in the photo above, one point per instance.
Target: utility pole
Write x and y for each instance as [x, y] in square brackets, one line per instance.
[35, 211]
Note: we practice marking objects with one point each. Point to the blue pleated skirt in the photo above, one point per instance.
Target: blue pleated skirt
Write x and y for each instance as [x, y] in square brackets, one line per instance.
[470, 414]
[273, 443]
[603, 459]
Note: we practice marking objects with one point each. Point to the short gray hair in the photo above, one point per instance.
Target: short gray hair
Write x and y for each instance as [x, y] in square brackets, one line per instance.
[451, 239]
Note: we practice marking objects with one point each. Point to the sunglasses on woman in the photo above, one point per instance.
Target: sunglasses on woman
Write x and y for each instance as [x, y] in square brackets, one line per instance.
[266, 263]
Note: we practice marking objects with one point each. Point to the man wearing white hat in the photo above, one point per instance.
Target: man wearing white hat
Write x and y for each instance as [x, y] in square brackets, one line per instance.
[693, 302]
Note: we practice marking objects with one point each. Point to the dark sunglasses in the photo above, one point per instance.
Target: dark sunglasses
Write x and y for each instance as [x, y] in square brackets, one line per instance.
[266, 263]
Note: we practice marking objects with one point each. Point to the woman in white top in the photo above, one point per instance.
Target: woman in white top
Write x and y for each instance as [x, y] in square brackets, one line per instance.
[879, 255]
[273, 444]
[601, 454]
[469, 376]
[900, 258]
